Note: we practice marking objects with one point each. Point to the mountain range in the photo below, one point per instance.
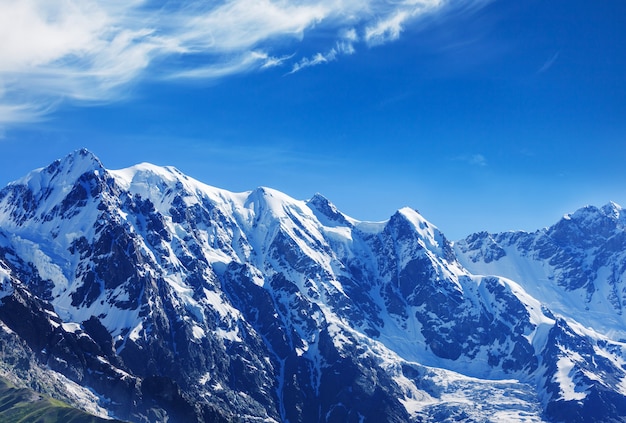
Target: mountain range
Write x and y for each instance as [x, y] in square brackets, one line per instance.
[144, 295]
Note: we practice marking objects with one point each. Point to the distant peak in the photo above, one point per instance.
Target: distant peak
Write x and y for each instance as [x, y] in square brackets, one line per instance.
[321, 206]
[82, 155]
[591, 221]
[63, 171]
[319, 200]
[408, 211]
[263, 194]
[261, 191]
[78, 161]
[83, 152]
[612, 209]
[431, 237]
[415, 217]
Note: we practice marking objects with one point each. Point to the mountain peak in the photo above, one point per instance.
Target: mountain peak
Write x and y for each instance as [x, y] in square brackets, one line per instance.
[326, 211]
[612, 209]
[178, 301]
[592, 216]
[83, 153]
[418, 221]
[431, 237]
[64, 171]
[318, 199]
[78, 161]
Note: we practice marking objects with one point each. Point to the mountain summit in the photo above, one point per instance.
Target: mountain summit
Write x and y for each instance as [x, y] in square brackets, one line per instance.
[145, 295]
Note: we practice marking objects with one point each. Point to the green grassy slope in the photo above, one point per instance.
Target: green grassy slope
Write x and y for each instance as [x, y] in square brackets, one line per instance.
[20, 405]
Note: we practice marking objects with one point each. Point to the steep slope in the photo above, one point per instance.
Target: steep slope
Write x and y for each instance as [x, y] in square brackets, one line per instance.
[175, 300]
[577, 264]
[24, 405]
[576, 268]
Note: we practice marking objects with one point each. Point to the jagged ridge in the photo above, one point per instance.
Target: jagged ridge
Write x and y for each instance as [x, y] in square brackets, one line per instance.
[174, 299]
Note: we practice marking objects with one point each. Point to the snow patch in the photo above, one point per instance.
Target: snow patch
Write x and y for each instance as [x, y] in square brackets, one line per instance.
[71, 327]
[569, 390]
[197, 332]
[205, 378]
[230, 335]
[429, 234]
[217, 303]
[6, 287]
[30, 252]
[135, 333]
[371, 228]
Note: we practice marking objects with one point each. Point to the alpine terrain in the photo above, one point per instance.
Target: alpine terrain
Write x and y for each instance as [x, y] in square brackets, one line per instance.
[144, 295]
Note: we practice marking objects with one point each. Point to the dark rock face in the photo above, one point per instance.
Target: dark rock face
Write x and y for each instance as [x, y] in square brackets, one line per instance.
[577, 267]
[178, 302]
[483, 247]
[576, 248]
[73, 354]
[593, 399]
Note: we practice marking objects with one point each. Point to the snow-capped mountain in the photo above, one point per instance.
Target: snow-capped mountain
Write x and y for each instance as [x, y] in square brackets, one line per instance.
[576, 267]
[160, 298]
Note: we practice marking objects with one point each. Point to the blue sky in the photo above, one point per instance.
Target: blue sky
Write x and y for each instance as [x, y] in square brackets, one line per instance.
[483, 115]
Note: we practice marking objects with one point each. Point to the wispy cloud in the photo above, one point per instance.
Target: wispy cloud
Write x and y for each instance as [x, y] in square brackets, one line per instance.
[548, 63]
[475, 159]
[88, 50]
[342, 47]
[478, 160]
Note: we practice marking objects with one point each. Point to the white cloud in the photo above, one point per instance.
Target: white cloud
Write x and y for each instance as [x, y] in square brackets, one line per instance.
[238, 64]
[89, 50]
[478, 160]
[344, 46]
[475, 159]
[242, 24]
[386, 30]
[391, 24]
[548, 63]
[11, 113]
[36, 33]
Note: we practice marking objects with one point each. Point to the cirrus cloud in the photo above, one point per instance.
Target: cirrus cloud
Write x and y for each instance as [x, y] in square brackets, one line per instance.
[89, 50]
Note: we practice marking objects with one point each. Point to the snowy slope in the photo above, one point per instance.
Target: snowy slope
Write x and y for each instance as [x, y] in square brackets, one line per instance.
[577, 269]
[577, 264]
[174, 299]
